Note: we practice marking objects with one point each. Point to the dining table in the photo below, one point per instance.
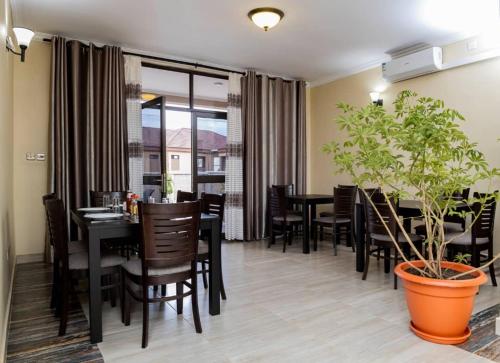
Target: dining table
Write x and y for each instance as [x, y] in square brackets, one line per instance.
[94, 232]
[309, 203]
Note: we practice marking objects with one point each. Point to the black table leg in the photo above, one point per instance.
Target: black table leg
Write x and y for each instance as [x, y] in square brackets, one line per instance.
[215, 269]
[305, 218]
[95, 307]
[360, 238]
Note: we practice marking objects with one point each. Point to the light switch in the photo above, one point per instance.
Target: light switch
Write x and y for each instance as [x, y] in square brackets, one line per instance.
[40, 157]
[30, 156]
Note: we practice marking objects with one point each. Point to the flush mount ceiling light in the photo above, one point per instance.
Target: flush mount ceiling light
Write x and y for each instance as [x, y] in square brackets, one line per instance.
[266, 18]
[23, 37]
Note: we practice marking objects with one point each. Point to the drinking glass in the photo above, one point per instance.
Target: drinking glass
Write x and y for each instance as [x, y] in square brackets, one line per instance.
[106, 201]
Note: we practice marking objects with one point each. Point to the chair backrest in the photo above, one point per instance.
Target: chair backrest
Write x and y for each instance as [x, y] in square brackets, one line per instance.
[96, 197]
[344, 201]
[58, 229]
[374, 223]
[169, 234]
[277, 202]
[45, 198]
[459, 195]
[483, 227]
[185, 196]
[289, 188]
[213, 204]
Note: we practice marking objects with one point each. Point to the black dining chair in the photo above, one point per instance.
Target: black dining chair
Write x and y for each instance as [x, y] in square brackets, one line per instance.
[66, 263]
[342, 218]
[169, 249]
[330, 213]
[281, 221]
[480, 236]
[185, 196]
[377, 234]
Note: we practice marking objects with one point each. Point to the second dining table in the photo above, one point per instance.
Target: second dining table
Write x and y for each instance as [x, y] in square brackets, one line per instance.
[94, 232]
[309, 203]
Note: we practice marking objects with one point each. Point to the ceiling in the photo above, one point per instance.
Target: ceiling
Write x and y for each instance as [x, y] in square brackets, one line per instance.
[317, 39]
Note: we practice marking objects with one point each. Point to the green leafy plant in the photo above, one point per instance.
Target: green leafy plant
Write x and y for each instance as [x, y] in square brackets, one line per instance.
[418, 152]
[167, 185]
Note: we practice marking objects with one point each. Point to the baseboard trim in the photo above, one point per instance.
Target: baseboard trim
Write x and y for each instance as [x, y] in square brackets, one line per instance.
[6, 325]
[34, 257]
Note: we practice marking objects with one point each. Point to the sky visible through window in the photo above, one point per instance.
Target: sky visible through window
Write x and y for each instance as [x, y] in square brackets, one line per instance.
[179, 119]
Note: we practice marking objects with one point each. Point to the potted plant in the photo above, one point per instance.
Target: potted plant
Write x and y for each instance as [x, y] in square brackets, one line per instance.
[419, 152]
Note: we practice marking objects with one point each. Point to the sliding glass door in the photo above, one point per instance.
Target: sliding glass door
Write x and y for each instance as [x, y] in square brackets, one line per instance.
[184, 131]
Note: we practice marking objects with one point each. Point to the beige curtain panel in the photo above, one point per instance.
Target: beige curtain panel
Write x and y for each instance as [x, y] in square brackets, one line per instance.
[274, 115]
[88, 122]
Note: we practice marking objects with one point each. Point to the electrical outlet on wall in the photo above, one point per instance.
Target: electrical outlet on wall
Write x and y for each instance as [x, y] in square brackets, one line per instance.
[40, 157]
[30, 156]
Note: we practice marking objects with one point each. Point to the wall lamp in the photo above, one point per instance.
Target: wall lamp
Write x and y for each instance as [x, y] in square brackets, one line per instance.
[23, 37]
[375, 96]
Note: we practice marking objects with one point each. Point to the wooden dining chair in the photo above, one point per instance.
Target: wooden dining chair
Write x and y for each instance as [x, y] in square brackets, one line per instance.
[378, 236]
[211, 204]
[168, 250]
[330, 213]
[67, 263]
[185, 196]
[73, 247]
[480, 236]
[343, 217]
[281, 222]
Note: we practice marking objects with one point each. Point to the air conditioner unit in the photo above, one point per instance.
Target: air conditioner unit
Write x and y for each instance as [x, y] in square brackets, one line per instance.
[413, 65]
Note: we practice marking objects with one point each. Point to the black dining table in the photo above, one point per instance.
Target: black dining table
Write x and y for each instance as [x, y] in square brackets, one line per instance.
[408, 209]
[94, 232]
[309, 203]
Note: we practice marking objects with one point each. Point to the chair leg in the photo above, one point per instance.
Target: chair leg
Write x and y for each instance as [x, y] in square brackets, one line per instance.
[285, 240]
[387, 260]
[334, 239]
[179, 290]
[122, 295]
[194, 303]
[222, 289]
[395, 263]
[367, 260]
[492, 266]
[126, 306]
[163, 290]
[64, 305]
[315, 232]
[378, 253]
[145, 316]
[204, 274]
[55, 282]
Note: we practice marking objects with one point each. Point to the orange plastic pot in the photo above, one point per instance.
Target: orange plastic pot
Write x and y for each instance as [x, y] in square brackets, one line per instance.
[440, 309]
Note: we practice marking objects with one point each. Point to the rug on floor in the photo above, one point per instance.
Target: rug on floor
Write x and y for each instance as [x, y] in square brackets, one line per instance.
[33, 331]
[484, 341]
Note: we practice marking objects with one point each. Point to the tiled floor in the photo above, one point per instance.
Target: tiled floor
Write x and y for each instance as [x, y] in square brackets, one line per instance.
[286, 308]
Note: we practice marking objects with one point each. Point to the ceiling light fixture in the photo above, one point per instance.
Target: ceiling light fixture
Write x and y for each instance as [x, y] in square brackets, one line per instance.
[266, 18]
[23, 37]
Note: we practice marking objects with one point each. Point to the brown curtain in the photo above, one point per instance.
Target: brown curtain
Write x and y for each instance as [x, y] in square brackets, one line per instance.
[273, 113]
[88, 121]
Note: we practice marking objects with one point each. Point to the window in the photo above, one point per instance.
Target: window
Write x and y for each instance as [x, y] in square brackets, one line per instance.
[174, 162]
[185, 126]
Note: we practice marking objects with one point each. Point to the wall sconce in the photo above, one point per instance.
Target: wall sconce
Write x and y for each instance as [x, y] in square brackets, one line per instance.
[23, 37]
[375, 96]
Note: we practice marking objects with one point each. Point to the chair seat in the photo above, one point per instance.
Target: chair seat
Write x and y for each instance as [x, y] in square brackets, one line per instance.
[80, 261]
[202, 248]
[329, 220]
[291, 218]
[134, 267]
[77, 246]
[449, 227]
[464, 239]
[401, 237]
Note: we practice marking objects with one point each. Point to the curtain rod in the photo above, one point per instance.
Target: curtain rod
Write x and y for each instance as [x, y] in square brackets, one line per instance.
[186, 63]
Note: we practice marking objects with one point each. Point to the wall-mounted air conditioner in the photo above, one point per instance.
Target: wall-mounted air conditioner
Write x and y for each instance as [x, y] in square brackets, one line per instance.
[413, 65]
